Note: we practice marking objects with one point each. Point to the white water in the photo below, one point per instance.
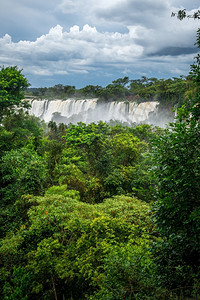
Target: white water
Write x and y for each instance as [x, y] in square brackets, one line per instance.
[89, 110]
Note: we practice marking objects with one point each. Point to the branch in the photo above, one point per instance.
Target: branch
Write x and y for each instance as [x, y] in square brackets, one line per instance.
[182, 14]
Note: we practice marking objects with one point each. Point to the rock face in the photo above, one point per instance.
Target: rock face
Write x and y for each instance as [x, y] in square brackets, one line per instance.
[90, 110]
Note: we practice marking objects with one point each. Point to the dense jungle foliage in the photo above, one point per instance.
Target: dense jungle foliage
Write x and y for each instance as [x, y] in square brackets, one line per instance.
[99, 211]
[166, 91]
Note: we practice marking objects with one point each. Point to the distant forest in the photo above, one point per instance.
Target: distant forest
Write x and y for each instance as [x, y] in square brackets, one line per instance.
[166, 91]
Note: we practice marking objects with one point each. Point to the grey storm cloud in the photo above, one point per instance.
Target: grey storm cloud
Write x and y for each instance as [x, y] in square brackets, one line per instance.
[175, 51]
[135, 12]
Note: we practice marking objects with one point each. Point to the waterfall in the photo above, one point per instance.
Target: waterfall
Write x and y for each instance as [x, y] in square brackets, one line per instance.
[90, 110]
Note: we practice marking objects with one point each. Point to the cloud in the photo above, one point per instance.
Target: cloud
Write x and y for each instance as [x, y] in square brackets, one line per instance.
[97, 39]
[142, 12]
[86, 50]
[175, 51]
[73, 51]
[135, 12]
[69, 6]
[26, 19]
[74, 6]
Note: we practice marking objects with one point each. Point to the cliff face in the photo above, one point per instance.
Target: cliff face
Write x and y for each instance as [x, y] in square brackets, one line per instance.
[90, 110]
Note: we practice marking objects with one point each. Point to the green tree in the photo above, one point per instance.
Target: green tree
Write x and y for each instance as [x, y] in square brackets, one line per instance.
[63, 250]
[99, 161]
[12, 87]
[128, 273]
[24, 130]
[116, 90]
[22, 172]
[177, 210]
[88, 139]
[91, 91]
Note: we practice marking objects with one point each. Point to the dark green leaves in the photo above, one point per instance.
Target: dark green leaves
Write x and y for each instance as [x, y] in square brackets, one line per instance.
[12, 87]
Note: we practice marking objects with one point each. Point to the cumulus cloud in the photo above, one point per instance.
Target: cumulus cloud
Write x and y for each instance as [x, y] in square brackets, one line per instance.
[73, 50]
[84, 50]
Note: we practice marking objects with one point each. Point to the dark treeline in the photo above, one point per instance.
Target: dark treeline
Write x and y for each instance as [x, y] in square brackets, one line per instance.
[166, 91]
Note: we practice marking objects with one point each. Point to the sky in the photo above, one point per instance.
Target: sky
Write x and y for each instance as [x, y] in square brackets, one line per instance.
[76, 42]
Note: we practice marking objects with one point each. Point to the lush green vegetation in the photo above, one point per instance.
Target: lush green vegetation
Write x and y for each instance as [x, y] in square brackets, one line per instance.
[98, 211]
[167, 91]
[12, 85]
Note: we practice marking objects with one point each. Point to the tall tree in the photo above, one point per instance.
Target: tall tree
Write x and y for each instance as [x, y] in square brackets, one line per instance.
[12, 87]
[177, 210]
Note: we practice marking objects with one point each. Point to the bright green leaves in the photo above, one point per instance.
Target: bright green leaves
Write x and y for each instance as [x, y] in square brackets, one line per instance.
[19, 287]
[127, 208]
[127, 274]
[89, 138]
[12, 86]
[177, 155]
[69, 243]
[6, 138]
[99, 160]
[126, 148]
[22, 171]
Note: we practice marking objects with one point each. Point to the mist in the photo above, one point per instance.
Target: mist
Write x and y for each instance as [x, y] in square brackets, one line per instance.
[92, 110]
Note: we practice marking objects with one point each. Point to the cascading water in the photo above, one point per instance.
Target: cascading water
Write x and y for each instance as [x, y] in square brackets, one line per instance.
[90, 110]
